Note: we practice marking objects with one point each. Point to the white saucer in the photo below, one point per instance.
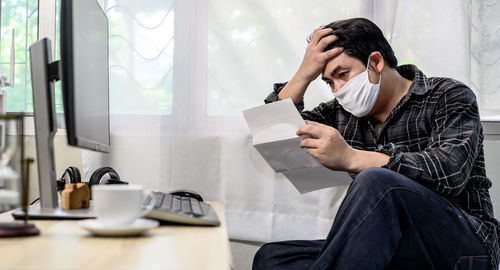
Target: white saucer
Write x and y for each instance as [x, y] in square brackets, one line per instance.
[137, 227]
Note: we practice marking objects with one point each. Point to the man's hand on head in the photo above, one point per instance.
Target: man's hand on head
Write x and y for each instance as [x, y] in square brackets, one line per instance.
[312, 65]
[315, 57]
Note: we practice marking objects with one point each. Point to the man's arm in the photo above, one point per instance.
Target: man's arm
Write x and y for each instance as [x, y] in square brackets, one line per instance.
[327, 145]
[445, 164]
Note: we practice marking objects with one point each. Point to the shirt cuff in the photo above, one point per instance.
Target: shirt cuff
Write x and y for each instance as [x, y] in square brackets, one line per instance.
[274, 96]
[394, 153]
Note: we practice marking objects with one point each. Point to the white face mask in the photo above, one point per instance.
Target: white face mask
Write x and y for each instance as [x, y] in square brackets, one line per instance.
[358, 95]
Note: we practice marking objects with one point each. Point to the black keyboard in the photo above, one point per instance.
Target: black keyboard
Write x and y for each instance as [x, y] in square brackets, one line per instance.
[178, 209]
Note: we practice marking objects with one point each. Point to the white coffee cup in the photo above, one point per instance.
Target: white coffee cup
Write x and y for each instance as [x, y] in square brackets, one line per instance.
[118, 204]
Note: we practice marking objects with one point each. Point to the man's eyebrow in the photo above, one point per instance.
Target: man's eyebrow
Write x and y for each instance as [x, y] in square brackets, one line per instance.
[339, 67]
[335, 70]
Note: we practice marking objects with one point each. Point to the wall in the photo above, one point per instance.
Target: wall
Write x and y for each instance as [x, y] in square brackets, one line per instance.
[492, 156]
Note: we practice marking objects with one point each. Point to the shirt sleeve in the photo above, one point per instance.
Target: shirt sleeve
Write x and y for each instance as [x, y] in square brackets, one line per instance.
[445, 164]
[321, 114]
[274, 96]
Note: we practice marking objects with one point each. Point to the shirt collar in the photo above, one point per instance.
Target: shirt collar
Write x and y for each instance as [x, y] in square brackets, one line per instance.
[420, 83]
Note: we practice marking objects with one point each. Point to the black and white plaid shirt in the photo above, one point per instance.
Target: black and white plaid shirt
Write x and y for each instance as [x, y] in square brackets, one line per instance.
[434, 136]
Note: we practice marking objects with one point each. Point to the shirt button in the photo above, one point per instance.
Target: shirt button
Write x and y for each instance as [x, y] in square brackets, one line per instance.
[380, 146]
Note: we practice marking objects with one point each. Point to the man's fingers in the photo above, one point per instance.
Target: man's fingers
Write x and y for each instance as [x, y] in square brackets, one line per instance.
[312, 151]
[333, 52]
[319, 34]
[309, 143]
[310, 130]
[325, 41]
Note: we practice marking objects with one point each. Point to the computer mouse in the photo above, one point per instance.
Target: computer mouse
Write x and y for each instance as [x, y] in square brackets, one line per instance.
[187, 193]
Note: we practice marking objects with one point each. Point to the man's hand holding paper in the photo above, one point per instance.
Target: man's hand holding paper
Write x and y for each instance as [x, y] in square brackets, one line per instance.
[327, 145]
[275, 130]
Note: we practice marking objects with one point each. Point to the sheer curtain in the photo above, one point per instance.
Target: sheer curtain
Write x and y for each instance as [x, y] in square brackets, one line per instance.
[485, 56]
[182, 71]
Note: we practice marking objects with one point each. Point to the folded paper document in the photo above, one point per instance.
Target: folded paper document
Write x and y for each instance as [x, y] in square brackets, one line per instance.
[273, 127]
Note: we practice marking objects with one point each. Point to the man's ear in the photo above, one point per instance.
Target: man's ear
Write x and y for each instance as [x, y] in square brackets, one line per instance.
[377, 62]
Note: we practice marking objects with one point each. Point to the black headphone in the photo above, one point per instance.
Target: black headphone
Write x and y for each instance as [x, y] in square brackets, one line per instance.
[70, 175]
[101, 176]
[105, 176]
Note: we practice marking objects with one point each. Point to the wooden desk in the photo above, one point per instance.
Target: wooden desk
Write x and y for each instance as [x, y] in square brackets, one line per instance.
[64, 245]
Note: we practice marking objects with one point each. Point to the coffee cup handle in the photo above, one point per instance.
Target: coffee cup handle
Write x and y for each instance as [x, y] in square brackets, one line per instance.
[146, 206]
[145, 210]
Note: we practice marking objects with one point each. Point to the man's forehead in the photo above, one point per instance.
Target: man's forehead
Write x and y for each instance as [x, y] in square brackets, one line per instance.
[339, 62]
[342, 59]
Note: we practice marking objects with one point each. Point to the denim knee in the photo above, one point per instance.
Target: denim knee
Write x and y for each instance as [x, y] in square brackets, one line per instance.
[375, 176]
[261, 258]
[377, 180]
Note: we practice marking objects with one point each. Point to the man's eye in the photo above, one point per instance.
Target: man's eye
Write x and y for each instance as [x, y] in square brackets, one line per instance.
[329, 82]
[342, 74]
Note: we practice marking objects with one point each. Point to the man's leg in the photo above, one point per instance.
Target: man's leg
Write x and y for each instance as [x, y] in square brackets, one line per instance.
[288, 255]
[388, 221]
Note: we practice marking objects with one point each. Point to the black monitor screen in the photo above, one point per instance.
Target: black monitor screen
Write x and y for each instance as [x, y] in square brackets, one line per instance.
[84, 73]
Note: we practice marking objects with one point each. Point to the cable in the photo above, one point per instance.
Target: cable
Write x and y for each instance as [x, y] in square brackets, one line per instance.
[35, 201]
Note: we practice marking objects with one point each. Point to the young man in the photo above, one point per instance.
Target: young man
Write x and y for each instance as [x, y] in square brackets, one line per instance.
[420, 198]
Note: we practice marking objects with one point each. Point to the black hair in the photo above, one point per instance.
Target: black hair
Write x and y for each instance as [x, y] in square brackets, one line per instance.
[359, 37]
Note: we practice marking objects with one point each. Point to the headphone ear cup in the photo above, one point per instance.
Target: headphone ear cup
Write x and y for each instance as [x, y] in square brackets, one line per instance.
[97, 176]
[113, 175]
[94, 178]
[70, 175]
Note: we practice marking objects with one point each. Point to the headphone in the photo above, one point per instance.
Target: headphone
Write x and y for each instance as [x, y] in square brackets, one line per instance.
[105, 176]
[101, 176]
[70, 175]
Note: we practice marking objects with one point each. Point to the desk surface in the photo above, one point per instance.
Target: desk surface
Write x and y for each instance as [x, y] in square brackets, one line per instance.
[64, 245]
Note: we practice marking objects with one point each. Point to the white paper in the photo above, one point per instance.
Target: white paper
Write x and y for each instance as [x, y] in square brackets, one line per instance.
[273, 127]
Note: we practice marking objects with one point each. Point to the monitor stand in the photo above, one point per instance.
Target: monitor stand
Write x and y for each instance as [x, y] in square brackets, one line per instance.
[44, 73]
[37, 212]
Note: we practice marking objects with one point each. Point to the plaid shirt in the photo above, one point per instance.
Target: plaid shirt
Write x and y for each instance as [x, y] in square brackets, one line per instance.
[434, 136]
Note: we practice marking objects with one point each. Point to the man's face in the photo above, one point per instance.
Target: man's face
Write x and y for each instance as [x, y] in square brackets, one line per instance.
[339, 70]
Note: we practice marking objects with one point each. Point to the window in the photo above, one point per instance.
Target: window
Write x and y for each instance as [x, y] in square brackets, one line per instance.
[21, 15]
[245, 38]
[141, 54]
[141, 49]
[253, 44]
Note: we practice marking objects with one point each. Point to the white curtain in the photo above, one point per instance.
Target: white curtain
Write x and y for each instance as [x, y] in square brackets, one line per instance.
[182, 71]
[485, 56]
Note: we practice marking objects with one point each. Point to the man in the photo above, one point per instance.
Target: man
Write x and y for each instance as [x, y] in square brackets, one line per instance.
[420, 198]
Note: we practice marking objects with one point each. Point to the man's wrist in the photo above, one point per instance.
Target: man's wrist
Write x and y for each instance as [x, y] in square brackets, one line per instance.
[359, 160]
[301, 79]
[294, 89]
[353, 164]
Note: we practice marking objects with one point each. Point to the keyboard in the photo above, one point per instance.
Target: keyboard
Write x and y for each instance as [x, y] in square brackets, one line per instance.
[183, 210]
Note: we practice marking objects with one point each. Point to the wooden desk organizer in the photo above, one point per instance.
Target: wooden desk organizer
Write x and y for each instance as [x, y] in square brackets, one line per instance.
[75, 196]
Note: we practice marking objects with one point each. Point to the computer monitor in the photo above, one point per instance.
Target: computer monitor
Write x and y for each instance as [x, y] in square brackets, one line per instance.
[83, 71]
[85, 77]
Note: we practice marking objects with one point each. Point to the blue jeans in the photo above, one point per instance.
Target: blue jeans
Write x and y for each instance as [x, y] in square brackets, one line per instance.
[386, 221]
